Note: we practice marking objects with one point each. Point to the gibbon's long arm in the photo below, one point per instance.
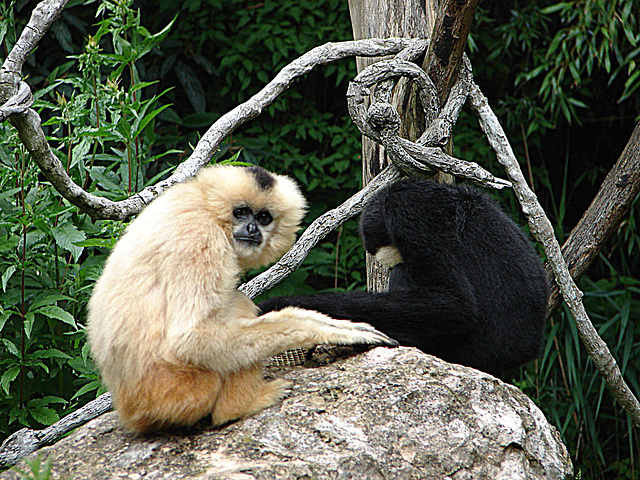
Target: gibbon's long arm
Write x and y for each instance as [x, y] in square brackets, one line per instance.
[410, 316]
[256, 338]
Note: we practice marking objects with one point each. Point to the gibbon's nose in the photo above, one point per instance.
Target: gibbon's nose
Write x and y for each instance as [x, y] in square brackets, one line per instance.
[249, 233]
[252, 228]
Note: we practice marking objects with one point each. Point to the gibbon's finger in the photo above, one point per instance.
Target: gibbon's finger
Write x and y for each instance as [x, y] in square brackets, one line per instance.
[346, 324]
[351, 337]
[349, 325]
[387, 340]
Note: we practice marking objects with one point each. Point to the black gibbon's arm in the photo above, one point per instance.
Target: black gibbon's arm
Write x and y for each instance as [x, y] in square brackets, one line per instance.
[439, 321]
[466, 284]
[412, 317]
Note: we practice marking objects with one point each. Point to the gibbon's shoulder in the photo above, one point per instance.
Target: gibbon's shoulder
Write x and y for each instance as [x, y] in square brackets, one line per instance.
[422, 196]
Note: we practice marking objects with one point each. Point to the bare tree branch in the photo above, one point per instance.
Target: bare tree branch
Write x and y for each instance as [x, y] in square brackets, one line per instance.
[45, 13]
[26, 441]
[31, 134]
[604, 215]
[542, 230]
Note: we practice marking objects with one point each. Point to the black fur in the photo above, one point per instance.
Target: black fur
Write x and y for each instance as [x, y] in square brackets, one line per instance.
[471, 289]
[264, 179]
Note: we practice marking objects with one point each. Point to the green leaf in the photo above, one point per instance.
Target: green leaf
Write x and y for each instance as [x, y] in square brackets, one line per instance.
[96, 242]
[9, 376]
[29, 320]
[192, 86]
[44, 415]
[50, 300]
[145, 121]
[66, 236]
[6, 276]
[50, 353]
[4, 316]
[89, 387]
[57, 313]
[11, 348]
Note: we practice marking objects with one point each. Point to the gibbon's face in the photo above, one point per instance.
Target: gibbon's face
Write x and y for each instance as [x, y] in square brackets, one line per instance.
[259, 211]
[251, 229]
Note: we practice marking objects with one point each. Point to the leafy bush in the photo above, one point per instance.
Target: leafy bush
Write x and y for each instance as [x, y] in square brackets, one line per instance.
[52, 254]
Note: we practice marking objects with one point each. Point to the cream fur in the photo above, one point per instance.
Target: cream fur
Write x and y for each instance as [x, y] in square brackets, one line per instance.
[173, 338]
[389, 256]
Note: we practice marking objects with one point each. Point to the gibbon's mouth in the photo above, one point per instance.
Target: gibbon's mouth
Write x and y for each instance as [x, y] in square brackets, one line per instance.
[249, 240]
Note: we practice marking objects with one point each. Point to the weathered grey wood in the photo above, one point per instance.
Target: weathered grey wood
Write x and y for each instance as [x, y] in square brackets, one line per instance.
[447, 22]
[543, 232]
[381, 123]
[604, 215]
[27, 441]
[383, 18]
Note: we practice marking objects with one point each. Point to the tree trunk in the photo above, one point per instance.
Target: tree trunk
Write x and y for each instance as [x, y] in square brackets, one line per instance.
[449, 20]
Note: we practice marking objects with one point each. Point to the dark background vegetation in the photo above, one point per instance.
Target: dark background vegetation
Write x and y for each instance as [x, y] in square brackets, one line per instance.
[561, 76]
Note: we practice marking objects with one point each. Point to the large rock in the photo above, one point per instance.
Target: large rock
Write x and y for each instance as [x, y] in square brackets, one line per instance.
[383, 414]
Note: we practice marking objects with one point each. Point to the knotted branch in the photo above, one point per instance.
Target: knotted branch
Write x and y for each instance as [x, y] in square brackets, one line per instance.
[381, 122]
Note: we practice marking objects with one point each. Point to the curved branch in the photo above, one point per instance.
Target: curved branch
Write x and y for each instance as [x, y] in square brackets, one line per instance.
[604, 215]
[26, 441]
[45, 13]
[439, 131]
[18, 103]
[542, 230]
[33, 137]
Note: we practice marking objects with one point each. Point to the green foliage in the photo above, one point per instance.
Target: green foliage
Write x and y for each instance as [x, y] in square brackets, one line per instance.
[122, 112]
[565, 384]
[565, 54]
[52, 254]
[37, 469]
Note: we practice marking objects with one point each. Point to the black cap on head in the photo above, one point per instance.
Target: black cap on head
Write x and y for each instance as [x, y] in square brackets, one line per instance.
[263, 178]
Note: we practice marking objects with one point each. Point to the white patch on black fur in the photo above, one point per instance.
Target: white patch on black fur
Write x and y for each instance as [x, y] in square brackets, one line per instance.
[389, 256]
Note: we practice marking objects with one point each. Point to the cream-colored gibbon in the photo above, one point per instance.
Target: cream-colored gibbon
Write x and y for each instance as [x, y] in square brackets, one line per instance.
[174, 339]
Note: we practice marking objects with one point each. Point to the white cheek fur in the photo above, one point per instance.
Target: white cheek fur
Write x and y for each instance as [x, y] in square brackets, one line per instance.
[389, 256]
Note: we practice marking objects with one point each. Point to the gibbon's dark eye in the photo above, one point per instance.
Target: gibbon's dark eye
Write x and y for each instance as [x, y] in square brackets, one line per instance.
[242, 212]
[264, 217]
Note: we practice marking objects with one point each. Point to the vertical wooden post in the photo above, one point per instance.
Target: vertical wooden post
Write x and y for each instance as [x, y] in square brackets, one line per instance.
[449, 20]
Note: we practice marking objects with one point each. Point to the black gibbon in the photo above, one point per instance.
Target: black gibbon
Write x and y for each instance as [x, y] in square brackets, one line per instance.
[173, 338]
[465, 283]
